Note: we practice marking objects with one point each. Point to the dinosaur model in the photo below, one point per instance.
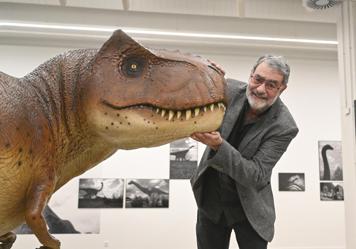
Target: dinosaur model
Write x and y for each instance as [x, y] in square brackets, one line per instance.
[80, 107]
[55, 224]
[148, 190]
[155, 194]
[90, 193]
[181, 154]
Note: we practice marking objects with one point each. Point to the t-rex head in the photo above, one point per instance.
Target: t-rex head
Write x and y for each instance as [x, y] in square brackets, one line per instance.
[137, 97]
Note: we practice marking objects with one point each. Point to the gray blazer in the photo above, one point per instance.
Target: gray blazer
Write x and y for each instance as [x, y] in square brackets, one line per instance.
[251, 165]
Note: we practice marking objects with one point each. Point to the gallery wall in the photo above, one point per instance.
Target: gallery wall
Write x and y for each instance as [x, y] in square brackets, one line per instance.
[303, 220]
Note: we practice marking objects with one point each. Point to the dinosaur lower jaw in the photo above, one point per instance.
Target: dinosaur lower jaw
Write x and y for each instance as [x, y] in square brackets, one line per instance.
[142, 126]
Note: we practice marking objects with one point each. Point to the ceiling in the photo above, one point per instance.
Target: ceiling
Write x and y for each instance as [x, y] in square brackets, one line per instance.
[89, 23]
[271, 9]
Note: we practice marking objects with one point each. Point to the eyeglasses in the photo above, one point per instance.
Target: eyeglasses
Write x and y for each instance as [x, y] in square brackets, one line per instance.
[270, 85]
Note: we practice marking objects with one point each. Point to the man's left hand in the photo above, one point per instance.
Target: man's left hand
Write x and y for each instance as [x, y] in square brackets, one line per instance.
[212, 139]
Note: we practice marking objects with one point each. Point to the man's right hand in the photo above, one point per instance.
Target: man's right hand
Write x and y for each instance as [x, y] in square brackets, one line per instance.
[212, 139]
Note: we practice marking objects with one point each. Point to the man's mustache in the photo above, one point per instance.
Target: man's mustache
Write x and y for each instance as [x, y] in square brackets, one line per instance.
[260, 95]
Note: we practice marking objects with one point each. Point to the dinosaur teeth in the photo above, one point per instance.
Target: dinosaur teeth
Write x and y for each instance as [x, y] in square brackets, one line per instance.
[170, 115]
[222, 106]
[196, 111]
[188, 114]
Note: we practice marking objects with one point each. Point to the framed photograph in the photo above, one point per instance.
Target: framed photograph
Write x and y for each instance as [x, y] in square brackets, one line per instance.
[101, 193]
[183, 158]
[147, 193]
[330, 161]
[291, 181]
[331, 191]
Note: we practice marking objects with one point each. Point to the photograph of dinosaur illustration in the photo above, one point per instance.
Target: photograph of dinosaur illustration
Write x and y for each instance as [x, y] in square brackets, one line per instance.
[147, 193]
[183, 158]
[101, 193]
[331, 191]
[80, 107]
[291, 181]
[330, 161]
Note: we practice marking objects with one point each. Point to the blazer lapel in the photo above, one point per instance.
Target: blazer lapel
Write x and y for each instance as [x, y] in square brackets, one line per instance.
[261, 124]
[233, 113]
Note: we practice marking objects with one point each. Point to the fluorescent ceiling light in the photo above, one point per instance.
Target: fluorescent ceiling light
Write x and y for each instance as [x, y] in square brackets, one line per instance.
[133, 31]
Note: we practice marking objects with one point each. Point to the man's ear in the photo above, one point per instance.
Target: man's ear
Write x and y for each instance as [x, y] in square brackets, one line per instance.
[283, 87]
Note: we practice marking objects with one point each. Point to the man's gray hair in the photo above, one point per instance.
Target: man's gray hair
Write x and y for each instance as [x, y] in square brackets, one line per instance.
[276, 62]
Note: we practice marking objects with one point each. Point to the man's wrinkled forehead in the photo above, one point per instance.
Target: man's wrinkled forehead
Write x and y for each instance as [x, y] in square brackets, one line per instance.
[268, 72]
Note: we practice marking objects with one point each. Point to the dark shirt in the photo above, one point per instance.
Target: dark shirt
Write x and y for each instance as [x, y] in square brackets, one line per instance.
[220, 194]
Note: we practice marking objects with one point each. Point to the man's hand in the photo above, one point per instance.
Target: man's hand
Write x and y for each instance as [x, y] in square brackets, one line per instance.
[212, 139]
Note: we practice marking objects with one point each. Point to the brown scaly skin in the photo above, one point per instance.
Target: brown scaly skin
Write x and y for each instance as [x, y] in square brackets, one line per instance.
[77, 109]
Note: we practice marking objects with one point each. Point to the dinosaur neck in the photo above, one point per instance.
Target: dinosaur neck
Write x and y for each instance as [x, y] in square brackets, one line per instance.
[56, 88]
[101, 188]
[90, 152]
[143, 189]
[326, 164]
[5, 80]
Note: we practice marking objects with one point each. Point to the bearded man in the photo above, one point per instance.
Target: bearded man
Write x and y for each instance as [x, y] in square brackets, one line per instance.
[232, 184]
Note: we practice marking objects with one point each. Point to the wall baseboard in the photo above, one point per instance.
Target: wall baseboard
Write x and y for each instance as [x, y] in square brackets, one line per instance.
[302, 247]
[307, 247]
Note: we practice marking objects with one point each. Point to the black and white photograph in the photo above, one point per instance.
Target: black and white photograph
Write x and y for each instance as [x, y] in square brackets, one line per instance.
[147, 193]
[183, 158]
[291, 181]
[101, 193]
[331, 191]
[63, 216]
[330, 161]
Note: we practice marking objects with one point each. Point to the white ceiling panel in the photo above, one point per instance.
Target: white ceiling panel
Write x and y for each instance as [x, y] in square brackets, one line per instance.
[198, 7]
[287, 10]
[102, 4]
[266, 9]
[44, 2]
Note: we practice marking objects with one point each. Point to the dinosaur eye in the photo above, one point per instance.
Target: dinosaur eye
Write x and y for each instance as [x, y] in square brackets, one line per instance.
[133, 67]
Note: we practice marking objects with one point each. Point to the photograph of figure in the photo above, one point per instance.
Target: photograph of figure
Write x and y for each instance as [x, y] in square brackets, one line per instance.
[331, 191]
[147, 193]
[330, 161]
[101, 193]
[291, 181]
[183, 158]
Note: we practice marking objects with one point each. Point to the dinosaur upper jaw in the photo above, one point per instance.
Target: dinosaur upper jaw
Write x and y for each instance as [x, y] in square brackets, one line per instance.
[147, 126]
[171, 114]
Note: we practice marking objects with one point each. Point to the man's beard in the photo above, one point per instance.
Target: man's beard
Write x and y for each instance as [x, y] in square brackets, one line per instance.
[258, 102]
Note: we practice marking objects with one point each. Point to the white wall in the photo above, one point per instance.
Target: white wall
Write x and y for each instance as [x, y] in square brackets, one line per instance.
[303, 221]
